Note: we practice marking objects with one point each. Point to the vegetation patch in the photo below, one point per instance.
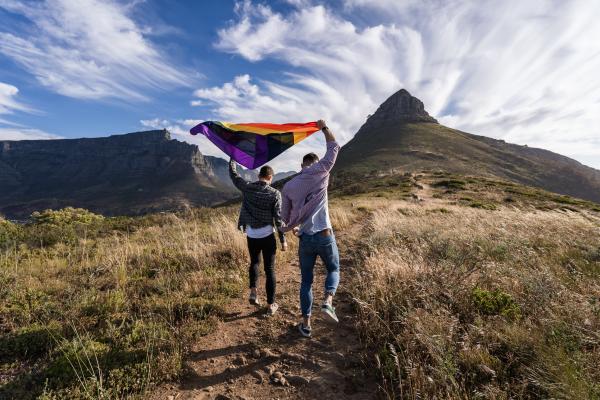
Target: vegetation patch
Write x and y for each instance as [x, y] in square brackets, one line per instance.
[454, 184]
[495, 302]
[94, 307]
[483, 206]
[471, 305]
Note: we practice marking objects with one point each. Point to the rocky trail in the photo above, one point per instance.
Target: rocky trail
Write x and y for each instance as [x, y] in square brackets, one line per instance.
[251, 356]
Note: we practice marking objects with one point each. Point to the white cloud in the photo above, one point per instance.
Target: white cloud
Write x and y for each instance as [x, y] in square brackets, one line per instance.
[157, 123]
[11, 130]
[87, 49]
[522, 71]
[180, 130]
[16, 133]
[8, 103]
[300, 99]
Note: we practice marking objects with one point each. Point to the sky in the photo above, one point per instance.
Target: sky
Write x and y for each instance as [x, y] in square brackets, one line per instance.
[522, 71]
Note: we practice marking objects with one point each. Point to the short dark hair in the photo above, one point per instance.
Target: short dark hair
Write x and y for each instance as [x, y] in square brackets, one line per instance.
[265, 172]
[310, 158]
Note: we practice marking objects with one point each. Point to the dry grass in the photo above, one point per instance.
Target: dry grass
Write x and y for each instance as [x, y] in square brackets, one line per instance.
[455, 300]
[468, 303]
[113, 312]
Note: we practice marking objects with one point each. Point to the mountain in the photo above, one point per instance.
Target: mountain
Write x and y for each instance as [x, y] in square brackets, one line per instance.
[402, 136]
[122, 174]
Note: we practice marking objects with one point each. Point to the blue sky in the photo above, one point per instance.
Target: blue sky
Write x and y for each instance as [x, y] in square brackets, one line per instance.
[525, 72]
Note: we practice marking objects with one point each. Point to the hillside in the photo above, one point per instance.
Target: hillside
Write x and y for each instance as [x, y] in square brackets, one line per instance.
[453, 287]
[401, 136]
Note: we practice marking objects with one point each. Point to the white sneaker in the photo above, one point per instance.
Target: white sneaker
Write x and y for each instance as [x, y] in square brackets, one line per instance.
[253, 299]
[272, 309]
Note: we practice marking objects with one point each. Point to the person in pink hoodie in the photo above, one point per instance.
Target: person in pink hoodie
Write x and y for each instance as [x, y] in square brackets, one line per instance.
[305, 210]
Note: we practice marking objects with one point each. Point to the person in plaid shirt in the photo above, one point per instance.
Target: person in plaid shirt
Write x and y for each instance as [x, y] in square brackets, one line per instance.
[259, 214]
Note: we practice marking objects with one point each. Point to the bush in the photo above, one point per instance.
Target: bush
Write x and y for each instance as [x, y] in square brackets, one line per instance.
[483, 206]
[451, 184]
[495, 302]
[30, 342]
[65, 216]
[9, 233]
[62, 226]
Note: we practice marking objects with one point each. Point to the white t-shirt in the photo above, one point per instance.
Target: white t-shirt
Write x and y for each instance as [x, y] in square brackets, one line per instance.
[259, 233]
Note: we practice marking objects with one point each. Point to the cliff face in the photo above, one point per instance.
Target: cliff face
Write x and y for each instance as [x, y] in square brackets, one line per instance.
[122, 174]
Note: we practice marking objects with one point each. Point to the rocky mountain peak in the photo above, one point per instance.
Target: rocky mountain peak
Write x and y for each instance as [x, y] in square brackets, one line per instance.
[398, 108]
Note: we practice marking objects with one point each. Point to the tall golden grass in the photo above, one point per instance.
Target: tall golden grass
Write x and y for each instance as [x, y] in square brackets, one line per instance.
[469, 303]
[113, 312]
[455, 301]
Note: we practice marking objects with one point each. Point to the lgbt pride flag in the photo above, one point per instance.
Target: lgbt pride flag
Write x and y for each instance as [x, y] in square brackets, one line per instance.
[254, 144]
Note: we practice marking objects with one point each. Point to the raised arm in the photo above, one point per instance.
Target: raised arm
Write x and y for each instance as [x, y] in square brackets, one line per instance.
[327, 162]
[237, 180]
[326, 131]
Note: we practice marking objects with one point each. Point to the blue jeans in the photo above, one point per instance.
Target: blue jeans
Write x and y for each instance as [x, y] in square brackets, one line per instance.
[310, 247]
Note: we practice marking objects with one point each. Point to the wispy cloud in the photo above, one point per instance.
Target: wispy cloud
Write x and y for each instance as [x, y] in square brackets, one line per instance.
[16, 133]
[8, 101]
[87, 49]
[298, 99]
[180, 129]
[522, 71]
[9, 104]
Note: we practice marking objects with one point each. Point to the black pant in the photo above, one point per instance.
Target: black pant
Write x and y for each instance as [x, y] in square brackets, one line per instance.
[268, 247]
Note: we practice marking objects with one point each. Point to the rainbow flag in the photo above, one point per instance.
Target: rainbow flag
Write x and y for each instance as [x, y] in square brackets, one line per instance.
[254, 144]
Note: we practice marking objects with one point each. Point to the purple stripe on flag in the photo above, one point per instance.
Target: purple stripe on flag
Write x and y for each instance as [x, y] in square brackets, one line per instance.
[262, 151]
[232, 151]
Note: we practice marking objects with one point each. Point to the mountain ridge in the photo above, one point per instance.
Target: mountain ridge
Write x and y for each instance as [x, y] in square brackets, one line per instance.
[118, 174]
[413, 142]
[148, 171]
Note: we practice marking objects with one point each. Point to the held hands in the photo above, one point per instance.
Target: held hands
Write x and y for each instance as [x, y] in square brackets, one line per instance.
[296, 231]
[326, 131]
[284, 246]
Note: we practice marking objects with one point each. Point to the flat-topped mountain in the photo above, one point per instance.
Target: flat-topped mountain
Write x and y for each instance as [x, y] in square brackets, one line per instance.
[402, 136]
[121, 174]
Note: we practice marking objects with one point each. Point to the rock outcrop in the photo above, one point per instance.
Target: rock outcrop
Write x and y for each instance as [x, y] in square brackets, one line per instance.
[400, 107]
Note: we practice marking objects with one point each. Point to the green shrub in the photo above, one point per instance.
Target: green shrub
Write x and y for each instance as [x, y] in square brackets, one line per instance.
[440, 210]
[66, 216]
[483, 206]
[356, 188]
[566, 200]
[451, 184]
[61, 226]
[32, 341]
[77, 359]
[9, 233]
[495, 302]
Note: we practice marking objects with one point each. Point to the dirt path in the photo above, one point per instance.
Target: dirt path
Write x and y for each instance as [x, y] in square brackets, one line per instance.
[424, 191]
[250, 356]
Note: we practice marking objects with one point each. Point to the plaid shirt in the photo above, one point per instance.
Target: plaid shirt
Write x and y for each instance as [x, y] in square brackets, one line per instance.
[261, 204]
